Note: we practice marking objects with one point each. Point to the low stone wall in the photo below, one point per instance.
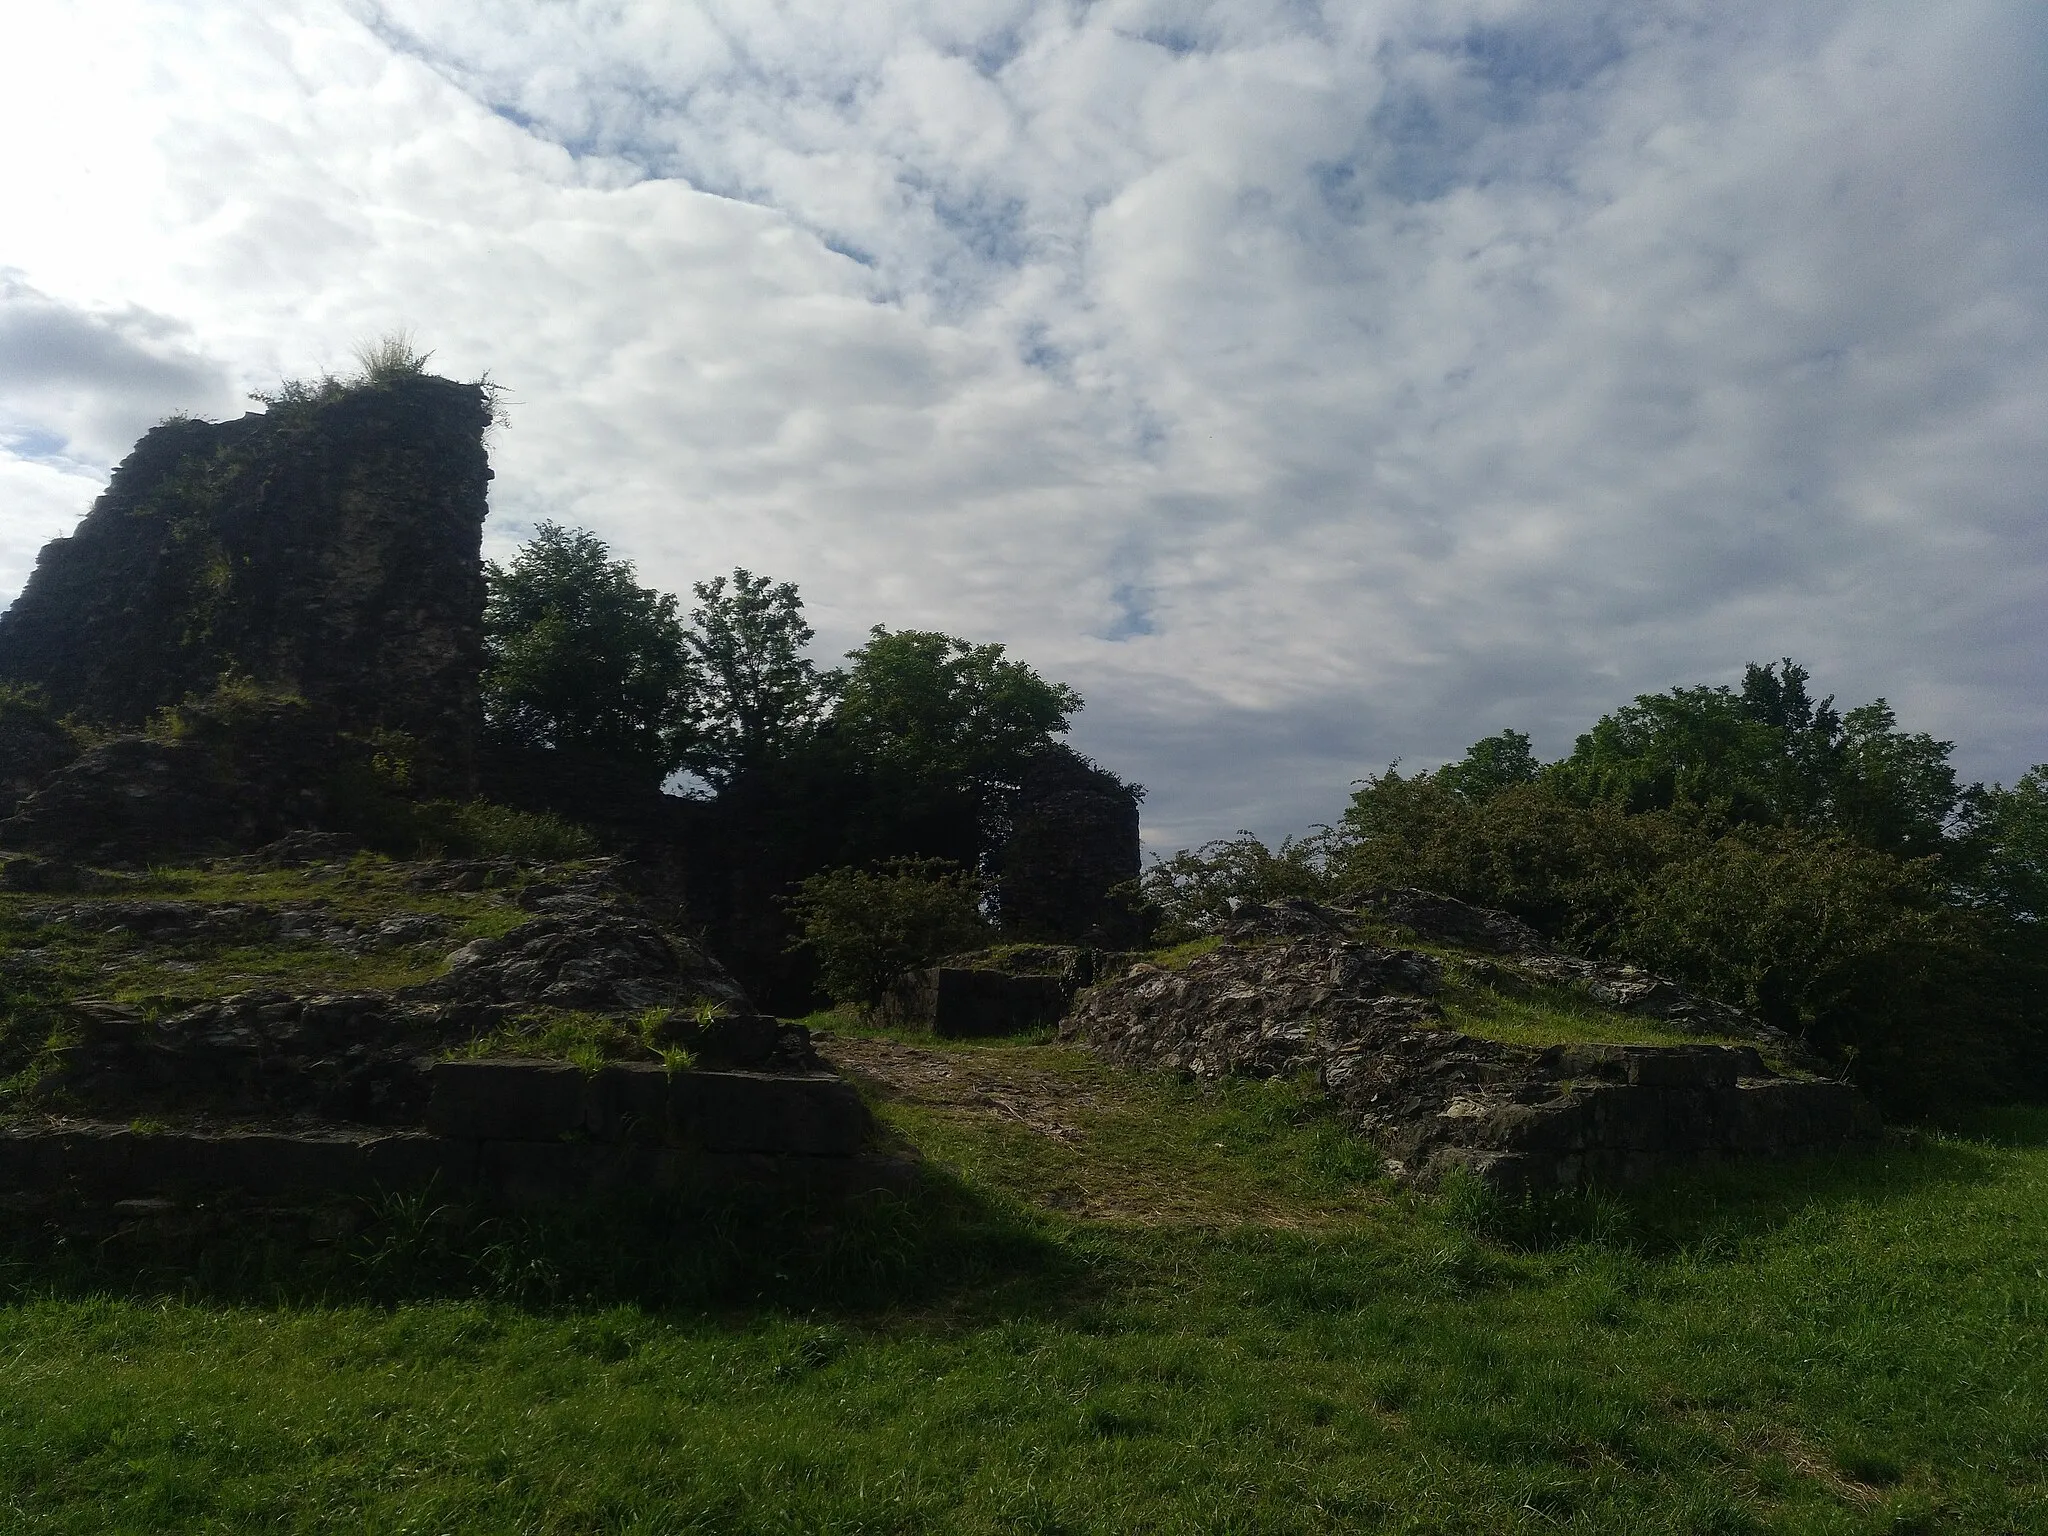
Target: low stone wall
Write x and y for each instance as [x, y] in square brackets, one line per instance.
[1615, 1115]
[1294, 994]
[514, 1130]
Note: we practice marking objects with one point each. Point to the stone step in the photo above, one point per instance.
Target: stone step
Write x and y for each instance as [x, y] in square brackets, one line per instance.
[807, 1114]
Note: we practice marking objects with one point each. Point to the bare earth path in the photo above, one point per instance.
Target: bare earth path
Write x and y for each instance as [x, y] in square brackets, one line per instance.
[1062, 1129]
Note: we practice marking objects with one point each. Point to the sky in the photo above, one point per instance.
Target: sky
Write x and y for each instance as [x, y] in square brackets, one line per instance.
[1311, 386]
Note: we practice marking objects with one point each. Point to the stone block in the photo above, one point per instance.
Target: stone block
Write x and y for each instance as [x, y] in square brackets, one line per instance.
[499, 1100]
[1777, 1116]
[412, 1160]
[627, 1102]
[813, 1114]
[539, 1170]
[20, 1162]
[972, 1002]
[1655, 1066]
[97, 1157]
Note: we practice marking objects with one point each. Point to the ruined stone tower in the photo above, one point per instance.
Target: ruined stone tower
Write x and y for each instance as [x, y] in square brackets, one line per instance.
[329, 547]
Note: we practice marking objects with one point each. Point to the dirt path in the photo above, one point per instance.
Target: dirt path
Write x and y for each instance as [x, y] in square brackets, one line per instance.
[986, 1081]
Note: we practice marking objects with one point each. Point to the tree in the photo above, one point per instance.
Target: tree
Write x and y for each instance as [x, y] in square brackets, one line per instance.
[582, 658]
[943, 712]
[758, 694]
[867, 927]
[1490, 766]
[2012, 831]
[1893, 789]
[1770, 756]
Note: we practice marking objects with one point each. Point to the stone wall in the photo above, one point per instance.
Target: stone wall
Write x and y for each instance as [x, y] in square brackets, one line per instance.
[1073, 839]
[1292, 990]
[517, 1130]
[328, 547]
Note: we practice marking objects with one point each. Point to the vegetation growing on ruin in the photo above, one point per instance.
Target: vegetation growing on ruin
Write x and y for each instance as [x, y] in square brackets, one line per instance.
[1823, 869]
[1121, 1304]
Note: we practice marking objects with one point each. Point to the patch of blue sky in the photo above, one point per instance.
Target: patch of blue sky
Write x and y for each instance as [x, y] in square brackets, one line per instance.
[1428, 136]
[993, 54]
[1133, 612]
[35, 443]
[840, 246]
[1520, 63]
[990, 227]
[1037, 350]
[1178, 41]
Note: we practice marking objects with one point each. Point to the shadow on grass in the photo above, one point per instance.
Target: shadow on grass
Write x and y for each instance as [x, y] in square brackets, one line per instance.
[937, 1246]
[1717, 1207]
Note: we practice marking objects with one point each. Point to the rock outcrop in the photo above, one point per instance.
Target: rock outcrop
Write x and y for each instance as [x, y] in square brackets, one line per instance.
[1291, 989]
[339, 1058]
[221, 785]
[32, 747]
[329, 548]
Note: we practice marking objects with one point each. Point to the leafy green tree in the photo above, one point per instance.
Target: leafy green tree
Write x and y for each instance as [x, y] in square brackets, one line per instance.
[758, 695]
[867, 927]
[1893, 789]
[582, 658]
[2012, 831]
[1769, 756]
[942, 712]
[1573, 871]
[1853, 950]
[1690, 746]
[1490, 766]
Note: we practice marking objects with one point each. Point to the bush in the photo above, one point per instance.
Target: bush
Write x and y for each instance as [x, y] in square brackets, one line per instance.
[1194, 891]
[482, 829]
[1571, 871]
[867, 927]
[1853, 950]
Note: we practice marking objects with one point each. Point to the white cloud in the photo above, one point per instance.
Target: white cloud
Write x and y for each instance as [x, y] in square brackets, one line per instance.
[1310, 388]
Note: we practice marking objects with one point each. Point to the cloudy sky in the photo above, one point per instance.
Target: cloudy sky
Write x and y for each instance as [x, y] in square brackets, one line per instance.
[1312, 386]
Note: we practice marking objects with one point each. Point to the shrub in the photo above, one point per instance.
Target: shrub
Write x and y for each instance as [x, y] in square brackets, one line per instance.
[483, 829]
[1854, 950]
[1195, 890]
[867, 927]
[1571, 871]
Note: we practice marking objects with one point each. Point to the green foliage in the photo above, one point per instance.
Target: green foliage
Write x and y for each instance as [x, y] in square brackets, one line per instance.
[1490, 766]
[483, 829]
[236, 706]
[391, 357]
[757, 695]
[587, 1040]
[584, 659]
[1196, 890]
[1571, 870]
[1853, 950]
[936, 710]
[867, 927]
[1768, 755]
[2011, 832]
[26, 704]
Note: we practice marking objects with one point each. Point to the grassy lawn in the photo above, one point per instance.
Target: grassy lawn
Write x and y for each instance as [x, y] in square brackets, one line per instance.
[1117, 1304]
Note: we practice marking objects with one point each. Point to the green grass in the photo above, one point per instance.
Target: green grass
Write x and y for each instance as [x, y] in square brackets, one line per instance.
[1553, 1015]
[1831, 1346]
[1116, 1303]
[69, 961]
[587, 1040]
